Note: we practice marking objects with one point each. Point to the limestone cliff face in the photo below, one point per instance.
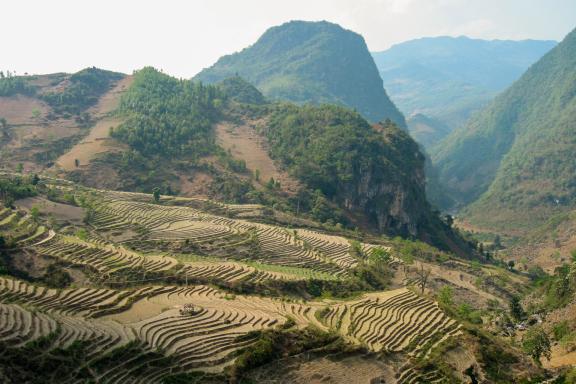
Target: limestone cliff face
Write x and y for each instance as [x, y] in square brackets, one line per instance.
[393, 201]
[376, 172]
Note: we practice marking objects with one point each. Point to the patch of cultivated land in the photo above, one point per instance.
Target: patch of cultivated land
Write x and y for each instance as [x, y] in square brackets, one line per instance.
[346, 370]
[150, 273]
[245, 144]
[218, 324]
[30, 131]
[20, 110]
[61, 212]
[98, 140]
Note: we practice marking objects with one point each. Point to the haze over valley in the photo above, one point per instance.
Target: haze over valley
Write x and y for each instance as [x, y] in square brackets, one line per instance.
[322, 192]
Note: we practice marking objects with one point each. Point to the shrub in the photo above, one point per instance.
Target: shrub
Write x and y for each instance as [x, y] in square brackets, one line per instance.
[536, 344]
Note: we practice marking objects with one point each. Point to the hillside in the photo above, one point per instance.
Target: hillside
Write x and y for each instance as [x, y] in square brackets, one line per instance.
[44, 117]
[227, 142]
[311, 62]
[449, 78]
[168, 289]
[514, 161]
[427, 130]
[323, 161]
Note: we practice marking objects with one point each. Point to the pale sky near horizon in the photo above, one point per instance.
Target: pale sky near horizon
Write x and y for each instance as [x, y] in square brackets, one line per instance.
[182, 37]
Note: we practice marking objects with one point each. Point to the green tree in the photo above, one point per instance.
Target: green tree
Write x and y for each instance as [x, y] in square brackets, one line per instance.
[516, 310]
[35, 213]
[271, 184]
[449, 219]
[497, 242]
[379, 255]
[20, 168]
[536, 343]
[156, 194]
[321, 210]
[446, 295]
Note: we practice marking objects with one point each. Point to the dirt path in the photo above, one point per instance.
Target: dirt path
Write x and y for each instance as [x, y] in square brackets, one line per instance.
[245, 144]
[97, 140]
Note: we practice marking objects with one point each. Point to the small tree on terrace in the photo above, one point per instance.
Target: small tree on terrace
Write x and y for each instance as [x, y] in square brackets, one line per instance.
[536, 343]
[379, 255]
[35, 213]
[423, 275]
[156, 194]
[445, 295]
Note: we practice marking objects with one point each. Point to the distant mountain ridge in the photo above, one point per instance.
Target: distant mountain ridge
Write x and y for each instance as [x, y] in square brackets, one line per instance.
[515, 160]
[449, 78]
[311, 62]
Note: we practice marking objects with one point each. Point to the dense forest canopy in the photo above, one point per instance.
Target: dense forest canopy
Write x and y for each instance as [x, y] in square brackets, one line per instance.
[331, 147]
[11, 85]
[241, 91]
[85, 87]
[518, 153]
[168, 117]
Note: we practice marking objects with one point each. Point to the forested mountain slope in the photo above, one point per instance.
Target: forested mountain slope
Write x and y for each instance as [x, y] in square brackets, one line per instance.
[448, 78]
[316, 62]
[515, 160]
[338, 157]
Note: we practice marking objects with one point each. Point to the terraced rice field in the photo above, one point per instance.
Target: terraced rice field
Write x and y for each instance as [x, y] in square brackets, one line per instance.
[391, 321]
[150, 322]
[277, 245]
[221, 324]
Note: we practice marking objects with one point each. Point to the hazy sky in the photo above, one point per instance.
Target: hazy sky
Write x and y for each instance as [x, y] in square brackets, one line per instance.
[182, 37]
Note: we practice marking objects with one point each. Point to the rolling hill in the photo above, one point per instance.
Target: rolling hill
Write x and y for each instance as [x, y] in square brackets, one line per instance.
[223, 141]
[514, 160]
[311, 62]
[449, 78]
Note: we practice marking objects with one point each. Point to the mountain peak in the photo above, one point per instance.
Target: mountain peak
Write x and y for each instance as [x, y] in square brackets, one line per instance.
[311, 62]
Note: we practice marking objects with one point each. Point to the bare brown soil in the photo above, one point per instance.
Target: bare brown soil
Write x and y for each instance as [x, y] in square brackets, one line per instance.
[352, 369]
[195, 185]
[19, 110]
[61, 212]
[245, 144]
[98, 140]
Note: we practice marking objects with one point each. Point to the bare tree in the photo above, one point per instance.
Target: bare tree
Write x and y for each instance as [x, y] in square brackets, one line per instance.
[423, 275]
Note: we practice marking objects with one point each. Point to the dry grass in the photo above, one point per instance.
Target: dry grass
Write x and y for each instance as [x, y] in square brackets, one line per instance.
[245, 144]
